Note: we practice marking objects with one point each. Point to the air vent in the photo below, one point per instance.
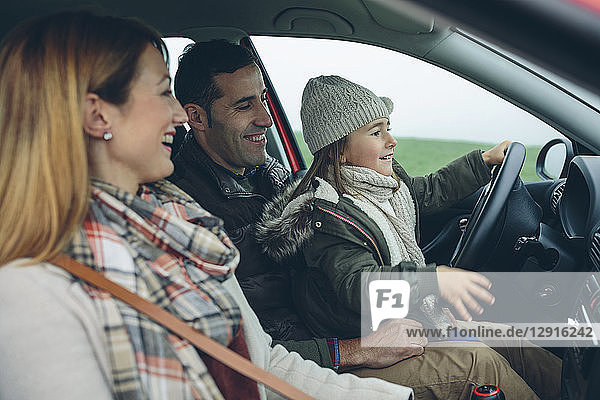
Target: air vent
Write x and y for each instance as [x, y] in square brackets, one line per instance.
[595, 249]
[556, 195]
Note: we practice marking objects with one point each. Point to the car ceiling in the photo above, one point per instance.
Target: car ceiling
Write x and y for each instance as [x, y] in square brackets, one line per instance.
[358, 20]
[556, 33]
[396, 24]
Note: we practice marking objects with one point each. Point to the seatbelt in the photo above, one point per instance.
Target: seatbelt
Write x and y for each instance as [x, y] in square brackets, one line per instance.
[180, 328]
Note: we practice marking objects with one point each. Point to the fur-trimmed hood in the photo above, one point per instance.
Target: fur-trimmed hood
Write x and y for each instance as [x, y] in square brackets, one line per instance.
[286, 226]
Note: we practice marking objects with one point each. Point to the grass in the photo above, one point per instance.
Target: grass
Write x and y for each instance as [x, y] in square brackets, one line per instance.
[422, 156]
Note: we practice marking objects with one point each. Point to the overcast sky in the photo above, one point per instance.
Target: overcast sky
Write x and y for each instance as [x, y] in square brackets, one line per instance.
[428, 101]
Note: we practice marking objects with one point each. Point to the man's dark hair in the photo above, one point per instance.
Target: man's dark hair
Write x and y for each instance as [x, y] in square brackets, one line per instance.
[199, 63]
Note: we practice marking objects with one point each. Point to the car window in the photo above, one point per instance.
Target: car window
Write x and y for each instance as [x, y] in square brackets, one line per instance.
[175, 46]
[437, 116]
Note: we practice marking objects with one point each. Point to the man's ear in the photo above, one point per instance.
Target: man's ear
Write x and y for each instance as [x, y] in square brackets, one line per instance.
[197, 117]
[95, 123]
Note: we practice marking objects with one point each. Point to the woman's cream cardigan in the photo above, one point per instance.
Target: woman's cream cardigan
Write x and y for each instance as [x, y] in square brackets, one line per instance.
[52, 346]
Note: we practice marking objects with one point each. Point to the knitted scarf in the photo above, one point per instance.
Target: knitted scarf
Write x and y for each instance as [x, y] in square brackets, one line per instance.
[371, 191]
[161, 245]
[396, 219]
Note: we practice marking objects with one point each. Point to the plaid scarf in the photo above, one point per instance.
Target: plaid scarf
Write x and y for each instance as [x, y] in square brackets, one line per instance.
[161, 245]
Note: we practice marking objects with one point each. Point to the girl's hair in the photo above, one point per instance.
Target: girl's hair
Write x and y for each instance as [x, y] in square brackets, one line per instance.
[47, 66]
[326, 159]
[329, 157]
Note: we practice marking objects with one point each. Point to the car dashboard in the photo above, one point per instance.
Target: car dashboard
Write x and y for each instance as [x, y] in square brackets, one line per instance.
[575, 201]
[579, 207]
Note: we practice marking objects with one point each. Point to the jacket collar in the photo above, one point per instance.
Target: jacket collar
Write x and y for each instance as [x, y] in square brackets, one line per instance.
[194, 155]
[287, 225]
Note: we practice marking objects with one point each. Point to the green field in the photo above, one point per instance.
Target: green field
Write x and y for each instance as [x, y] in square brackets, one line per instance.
[422, 156]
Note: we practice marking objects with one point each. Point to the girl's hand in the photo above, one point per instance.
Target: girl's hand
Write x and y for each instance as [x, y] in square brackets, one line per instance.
[460, 287]
[495, 155]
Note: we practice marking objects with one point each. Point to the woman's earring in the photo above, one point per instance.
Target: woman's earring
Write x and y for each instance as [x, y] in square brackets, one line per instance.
[107, 136]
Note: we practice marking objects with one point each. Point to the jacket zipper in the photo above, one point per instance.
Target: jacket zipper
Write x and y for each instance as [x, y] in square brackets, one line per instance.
[346, 220]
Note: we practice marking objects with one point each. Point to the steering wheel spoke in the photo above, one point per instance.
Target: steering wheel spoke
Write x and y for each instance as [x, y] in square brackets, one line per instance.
[471, 250]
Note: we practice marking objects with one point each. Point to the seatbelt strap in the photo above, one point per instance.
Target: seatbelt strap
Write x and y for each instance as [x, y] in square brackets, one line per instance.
[180, 328]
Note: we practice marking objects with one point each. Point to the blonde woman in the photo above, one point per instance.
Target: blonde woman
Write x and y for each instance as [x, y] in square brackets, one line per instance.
[85, 108]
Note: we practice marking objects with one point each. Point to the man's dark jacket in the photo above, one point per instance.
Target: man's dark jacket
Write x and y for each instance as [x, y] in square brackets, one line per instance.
[266, 285]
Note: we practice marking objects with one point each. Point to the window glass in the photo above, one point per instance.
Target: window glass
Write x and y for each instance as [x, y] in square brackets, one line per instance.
[437, 116]
[175, 46]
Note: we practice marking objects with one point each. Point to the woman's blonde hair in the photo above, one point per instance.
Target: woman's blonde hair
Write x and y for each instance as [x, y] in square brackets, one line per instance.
[47, 66]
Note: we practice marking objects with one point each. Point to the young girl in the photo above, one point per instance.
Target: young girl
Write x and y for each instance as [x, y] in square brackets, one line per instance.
[356, 210]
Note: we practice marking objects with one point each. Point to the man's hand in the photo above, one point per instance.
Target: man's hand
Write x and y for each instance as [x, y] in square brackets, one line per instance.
[458, 286]
[393, 345]
[495, 155]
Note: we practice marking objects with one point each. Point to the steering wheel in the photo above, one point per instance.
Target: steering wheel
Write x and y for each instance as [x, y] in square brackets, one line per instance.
[471, 247]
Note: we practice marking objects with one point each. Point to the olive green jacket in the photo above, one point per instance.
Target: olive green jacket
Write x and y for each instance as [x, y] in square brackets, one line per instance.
[328, 241]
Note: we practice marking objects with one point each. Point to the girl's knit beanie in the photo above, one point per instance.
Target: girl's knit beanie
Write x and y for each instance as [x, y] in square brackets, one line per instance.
[334, 107]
